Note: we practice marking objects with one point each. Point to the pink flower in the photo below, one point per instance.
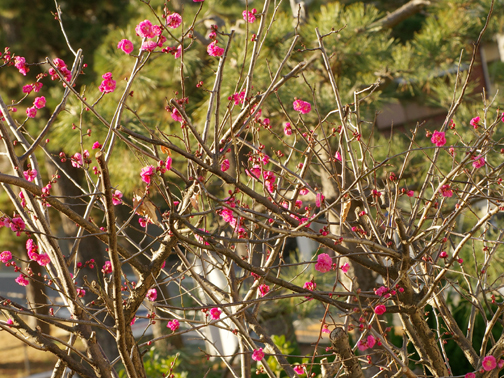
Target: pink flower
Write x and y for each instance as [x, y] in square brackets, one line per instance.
[169, 162]
[369, 343]
[151, 295]
[381, 291]
[149, 45]
[30, 174]
[173, 325]
[17, 225]
[438, 138]
[144, 29]
[28, 88]
[263, 289]
[5, 256]
[133, 320]
[474, 122]
[173, 20]
[117, 197]
[238, 98]
[337, 155]
[39, 102]
[489, 363]
[20, 64]
[310, 285]
[446, 191]
[479, 161]
[107, 267]
[10, 321]
[37, 87]
[215, 313]
[176, 115]
[146, 173]
[298, 369]
[225, 165]
[125, 45]
[258, 354]
[96, 145]
[410, 193]
[77, 161]
[80, 292]
[22, 280]
[179, 52]
[214, 50]
[380, 310]
[254, 172]
[43, 259]
[108, 85]
[324, 263]
[302, 106]
[249, 16]
[500, 364]
[443, 254]
[345, 267]
[59, 63]
[287, 129]
[198, 1]
[31, 112]
[319, 198]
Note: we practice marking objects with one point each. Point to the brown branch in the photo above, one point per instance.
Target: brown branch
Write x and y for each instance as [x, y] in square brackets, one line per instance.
[392, 19]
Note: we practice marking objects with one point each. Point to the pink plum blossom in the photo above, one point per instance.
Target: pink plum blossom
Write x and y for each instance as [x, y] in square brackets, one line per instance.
[310, 285]
[43, 259]
[215, 313]
[263, 289]
[337, 155]
[380, 310]
[5, 256]
[22, 280]
[479, 161]
[31, 112]
[125, 45]
[176, 115]
[151, 294]
[169, 162]
[470, 375]
[117, 197]
[368, 343]
[410, 193]
[438, 138]
[173, 325]
[27, 88]
[225, 165]
[324, 263]
[146, 173]
[173, 20]
[302, 106]
[489, 363]
[179, 52]
[475, 122]
[345, 267]
[287, 129]
[17, 225]
[214, 50]
[96, 145]
[298, 369]
[108, 85]
[77, 161]
[144, 29]
[238, 98]
[446, 191]
[37, 87]
[249, 16]
[149, 45]
[20, 64]
[39, 102]
[258, 354]
[30, 174]
[107, 267]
